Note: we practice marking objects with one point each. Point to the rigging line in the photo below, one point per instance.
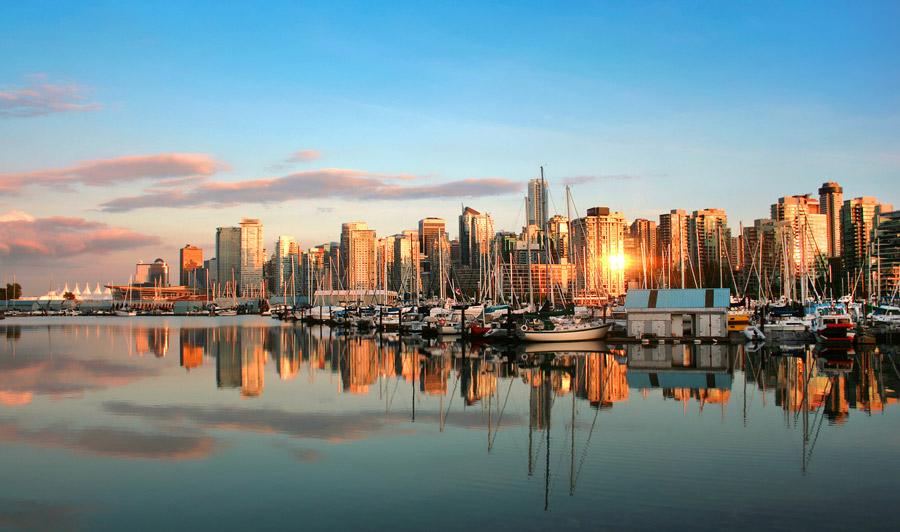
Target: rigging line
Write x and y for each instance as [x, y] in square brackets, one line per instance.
[503, 409]
[586, 444]
[452, 396]
[819, 427]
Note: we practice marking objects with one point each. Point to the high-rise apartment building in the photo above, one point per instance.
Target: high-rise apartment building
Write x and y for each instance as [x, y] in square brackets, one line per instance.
[190, 260]
[810, 228]
[253, 256]
[358, 256]
[481, 234]
[537, 203]
[405, 274]
[767, 244]
[599, 243]
[642, 260]
[708, 241]
[672, 247]
[430, 229]
[857, 221]
[831, 199]
[228, 260]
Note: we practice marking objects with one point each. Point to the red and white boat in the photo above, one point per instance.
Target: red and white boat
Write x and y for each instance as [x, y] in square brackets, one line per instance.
[834, 325]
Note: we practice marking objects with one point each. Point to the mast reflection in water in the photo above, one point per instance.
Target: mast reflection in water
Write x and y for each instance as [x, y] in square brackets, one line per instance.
[372, 431]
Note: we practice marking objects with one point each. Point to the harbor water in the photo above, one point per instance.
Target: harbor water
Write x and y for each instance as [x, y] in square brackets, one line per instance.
[249, 423]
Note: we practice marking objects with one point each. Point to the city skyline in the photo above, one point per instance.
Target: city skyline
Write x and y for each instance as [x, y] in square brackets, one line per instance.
[114, 154]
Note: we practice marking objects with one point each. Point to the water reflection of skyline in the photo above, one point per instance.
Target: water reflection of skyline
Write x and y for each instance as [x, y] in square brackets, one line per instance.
[794, 378]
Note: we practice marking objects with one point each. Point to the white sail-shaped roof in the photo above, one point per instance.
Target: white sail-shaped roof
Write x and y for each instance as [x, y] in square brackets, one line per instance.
[87, 290]
[66, 289]
[77, 292]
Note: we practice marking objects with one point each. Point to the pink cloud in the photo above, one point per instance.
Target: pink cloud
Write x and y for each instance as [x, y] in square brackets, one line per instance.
[314, 184]
[60, 237]
[303, 156]
[43, 98]
[106, 172]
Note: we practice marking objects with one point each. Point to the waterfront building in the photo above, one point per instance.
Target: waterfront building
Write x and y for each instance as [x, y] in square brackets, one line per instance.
[536, 203]
[429, 231]
[599, 245]
[228, 260]
[358, 256]
[190, 260]
[672, 247]
[286, 267]
[857, 221]
[315, 270]
[252, 256]
[155, 274]
[385, 262]
[831, 199]
[211, 273]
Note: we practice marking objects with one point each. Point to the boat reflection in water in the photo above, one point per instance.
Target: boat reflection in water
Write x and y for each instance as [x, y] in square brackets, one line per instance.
[481, 423]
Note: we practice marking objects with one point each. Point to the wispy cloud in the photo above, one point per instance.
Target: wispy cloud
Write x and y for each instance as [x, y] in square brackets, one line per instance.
[22, 237]
[40, 98]
[581, 179]
[106, 172]
[315, 184]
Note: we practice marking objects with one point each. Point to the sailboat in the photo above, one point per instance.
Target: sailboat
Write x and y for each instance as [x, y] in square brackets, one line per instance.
[127, 310]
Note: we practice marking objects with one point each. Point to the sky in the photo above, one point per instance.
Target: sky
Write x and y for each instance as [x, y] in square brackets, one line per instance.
[128, 130]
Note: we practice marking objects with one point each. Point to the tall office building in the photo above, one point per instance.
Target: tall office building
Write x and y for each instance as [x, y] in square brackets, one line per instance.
[228, 260]
[286, 266]
[642, 261]
[358, 254]
[191, 259]
[465, 224]
[831, 199]
[253, 256]
[887, 253]
[537, 203]
[153, 274]
[857, 221]
[430, 229]
[599, 243]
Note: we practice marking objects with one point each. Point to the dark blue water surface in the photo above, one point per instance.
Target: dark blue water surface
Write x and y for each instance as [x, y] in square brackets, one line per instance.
[247, 423]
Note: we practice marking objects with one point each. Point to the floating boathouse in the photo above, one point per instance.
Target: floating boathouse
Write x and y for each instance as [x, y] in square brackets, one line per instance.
[688, 313]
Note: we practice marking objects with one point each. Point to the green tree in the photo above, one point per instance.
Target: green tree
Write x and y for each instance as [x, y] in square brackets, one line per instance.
[69, 296]
[12, 291]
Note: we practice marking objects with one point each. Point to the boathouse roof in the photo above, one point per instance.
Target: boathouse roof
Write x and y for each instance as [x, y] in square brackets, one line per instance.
[687, 298]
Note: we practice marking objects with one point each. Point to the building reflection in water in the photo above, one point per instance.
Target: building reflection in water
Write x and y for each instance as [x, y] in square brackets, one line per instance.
[683, 372]
[151, 340]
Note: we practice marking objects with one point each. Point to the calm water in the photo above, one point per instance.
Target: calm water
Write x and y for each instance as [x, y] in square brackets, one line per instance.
[246, 423]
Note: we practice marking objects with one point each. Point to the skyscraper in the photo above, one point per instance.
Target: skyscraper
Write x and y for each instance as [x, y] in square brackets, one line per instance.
[537, 203]
[672, 242]
[191, 259]
[253, 255]
[831, 199]
[465, 224]
[481, 233]
[228, 259]
[429, 231]
[406, 273]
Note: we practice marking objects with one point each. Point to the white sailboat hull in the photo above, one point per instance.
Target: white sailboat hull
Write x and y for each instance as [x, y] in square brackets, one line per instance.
[572, 333]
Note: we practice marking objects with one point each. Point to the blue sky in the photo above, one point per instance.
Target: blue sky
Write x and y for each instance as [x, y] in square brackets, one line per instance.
[649, 106]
